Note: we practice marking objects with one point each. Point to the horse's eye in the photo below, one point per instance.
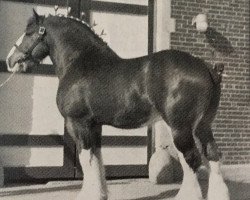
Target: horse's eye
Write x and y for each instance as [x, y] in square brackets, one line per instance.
[28, 33]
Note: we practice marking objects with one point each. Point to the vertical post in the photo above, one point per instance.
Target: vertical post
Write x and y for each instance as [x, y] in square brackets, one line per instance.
[85, 7]
[75, 7]
[164, 25]
[82, 11]
[69, 154]
[150, 133]
[151, 6]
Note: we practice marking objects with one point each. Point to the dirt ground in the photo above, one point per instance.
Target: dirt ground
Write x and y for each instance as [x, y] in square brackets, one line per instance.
[126, 189]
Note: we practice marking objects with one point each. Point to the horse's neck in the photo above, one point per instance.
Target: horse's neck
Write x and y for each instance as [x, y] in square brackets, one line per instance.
[67, 52]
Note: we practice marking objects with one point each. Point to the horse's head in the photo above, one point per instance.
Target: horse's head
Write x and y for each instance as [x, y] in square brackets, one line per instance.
[30, 48]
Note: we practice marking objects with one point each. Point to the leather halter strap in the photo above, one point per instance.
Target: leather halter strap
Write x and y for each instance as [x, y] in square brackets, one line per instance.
[28, 53]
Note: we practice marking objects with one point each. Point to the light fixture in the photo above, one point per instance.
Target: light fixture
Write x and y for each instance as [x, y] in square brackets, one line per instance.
[201, 23]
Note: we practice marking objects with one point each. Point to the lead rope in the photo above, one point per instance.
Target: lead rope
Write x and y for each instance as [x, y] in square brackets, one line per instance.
[7, 80]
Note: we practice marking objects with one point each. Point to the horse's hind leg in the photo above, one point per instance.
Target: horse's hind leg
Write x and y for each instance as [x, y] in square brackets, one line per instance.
[190, 160]
[88, 138]
[217, 189]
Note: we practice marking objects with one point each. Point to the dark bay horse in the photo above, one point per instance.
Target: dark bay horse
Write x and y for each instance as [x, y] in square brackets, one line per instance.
[97, 87]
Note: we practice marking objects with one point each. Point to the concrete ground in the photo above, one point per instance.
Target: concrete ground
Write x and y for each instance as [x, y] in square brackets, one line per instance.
[126, 189]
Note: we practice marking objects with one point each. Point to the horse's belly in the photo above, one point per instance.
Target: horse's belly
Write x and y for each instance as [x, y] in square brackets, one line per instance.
[136, 119]
[153, 119]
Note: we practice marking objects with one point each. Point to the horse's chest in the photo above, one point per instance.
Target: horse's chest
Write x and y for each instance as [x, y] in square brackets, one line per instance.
[72, 100]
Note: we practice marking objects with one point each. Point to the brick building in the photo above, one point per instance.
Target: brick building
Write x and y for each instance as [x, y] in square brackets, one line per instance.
[229, 20]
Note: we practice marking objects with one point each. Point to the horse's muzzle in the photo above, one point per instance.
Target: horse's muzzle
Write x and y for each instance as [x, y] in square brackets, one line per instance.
[13, 61]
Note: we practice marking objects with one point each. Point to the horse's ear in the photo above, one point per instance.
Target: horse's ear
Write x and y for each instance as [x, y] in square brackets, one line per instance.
[35, 15]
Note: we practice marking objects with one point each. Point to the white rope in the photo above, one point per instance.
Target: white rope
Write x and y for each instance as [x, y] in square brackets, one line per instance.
[7, 80]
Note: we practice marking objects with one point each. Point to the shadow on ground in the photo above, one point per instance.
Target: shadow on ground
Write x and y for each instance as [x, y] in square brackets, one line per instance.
[162, 195]
[238, 191]
[136, 189]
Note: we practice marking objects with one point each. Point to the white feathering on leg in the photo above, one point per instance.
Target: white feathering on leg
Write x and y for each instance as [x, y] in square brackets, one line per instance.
[94, 187]
[217, 189]
[190, 188]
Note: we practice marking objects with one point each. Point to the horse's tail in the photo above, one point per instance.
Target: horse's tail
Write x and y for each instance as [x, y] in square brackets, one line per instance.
[216, 72]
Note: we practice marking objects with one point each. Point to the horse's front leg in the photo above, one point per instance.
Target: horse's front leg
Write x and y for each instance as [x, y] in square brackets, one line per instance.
[94, 187]
[88, 137]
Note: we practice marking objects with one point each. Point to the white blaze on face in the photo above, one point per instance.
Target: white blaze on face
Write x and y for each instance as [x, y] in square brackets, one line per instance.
[18, 42]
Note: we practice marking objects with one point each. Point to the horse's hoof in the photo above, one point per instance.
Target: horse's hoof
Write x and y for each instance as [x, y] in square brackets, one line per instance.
[217, 189]
[91, 198]
[189, 195]
[217, 194]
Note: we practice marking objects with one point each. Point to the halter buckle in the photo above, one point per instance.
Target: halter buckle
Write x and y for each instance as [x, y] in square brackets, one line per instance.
[41, 30]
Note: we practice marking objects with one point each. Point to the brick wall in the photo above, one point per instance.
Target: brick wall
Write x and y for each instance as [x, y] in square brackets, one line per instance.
[229, 19]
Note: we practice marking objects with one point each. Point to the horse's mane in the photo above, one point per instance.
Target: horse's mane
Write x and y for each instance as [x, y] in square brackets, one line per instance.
[83, 23]
[81, 28]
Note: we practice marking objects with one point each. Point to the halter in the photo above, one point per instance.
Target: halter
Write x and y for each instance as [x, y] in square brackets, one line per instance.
[28, 53]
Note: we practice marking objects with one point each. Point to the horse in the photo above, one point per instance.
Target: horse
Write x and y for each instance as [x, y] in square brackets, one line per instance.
[97, 87]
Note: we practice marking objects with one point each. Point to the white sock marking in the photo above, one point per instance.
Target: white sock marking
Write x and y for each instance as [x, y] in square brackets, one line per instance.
[94, 187]
[190, 188]
[217, 189]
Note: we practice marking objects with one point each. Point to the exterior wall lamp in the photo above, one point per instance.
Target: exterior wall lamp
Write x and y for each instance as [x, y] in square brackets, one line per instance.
[201, 22]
